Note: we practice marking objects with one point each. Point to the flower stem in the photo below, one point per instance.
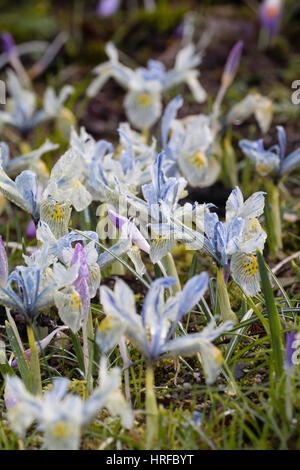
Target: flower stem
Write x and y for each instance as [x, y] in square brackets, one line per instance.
[274, 204]
[226, 313]
[170, 267]
[151, 408]
[36, 383]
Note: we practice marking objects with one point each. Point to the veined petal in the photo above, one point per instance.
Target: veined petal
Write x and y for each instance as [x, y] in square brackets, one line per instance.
[56, 215]
[245, 272]
[69, 307]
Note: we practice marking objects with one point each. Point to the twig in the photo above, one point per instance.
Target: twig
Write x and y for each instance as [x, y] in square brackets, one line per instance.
[40, 66]
[285, 261]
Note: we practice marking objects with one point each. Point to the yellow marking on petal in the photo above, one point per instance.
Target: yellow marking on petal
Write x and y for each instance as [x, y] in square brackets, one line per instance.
[250, 265]
[58, 211]
[219, 356]
[60, 429]
[262, 168]
[105, 324]
[119, 149]
[77, 299]
[67, 115]
[254, 224]
[144, 99]
[199, 159]
[76, 184]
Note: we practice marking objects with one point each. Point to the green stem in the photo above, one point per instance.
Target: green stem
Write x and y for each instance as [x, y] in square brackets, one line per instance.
[88, 349]
[275, 218]
[151, 408]
[36, 383]
[226, 313]
[170, 267]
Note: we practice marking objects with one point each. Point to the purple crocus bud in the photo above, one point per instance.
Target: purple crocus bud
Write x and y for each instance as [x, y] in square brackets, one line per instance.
[125, 226]
[3, 264]
[107, 8]
[290, 348]
[81, 283]
[8, 43]
[270, 16]
[31, 232]
[232, 63]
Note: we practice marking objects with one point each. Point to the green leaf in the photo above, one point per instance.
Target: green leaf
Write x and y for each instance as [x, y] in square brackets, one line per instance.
[21, 361]
[273, 316]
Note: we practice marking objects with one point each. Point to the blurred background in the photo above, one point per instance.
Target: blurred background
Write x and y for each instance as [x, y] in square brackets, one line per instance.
[155, 29]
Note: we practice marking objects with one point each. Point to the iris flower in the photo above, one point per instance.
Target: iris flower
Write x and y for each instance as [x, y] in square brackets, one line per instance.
[272, 161]
[61, 415]
[189, 146]
[146, 85]
[152, 331]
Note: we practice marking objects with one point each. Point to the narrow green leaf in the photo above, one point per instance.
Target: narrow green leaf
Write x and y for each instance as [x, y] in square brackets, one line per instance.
[78, 350]
[273, 316]
[21, 361]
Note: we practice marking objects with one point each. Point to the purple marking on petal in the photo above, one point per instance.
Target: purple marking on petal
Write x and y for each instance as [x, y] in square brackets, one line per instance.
[116, 219]
[3, 264]
[10, 402]
[8, 43]
[31, 231]
[31, 250]
[81, 283]
[227, 273]
[107, 8]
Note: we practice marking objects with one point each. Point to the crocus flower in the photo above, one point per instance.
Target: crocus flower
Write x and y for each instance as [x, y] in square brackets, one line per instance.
[232, 63]
[3, 264]
[8, 43]
[107, 8]
[291, 344]
[270, 13]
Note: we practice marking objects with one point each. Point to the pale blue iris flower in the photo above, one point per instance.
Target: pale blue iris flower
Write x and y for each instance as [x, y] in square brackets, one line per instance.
[61, 415]
[30, 161]
[189, 147]
[126, 174]
[145, 85]
[239, 238]
[21, 112]
[23, 191]
[152, 331]
[272, 161]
